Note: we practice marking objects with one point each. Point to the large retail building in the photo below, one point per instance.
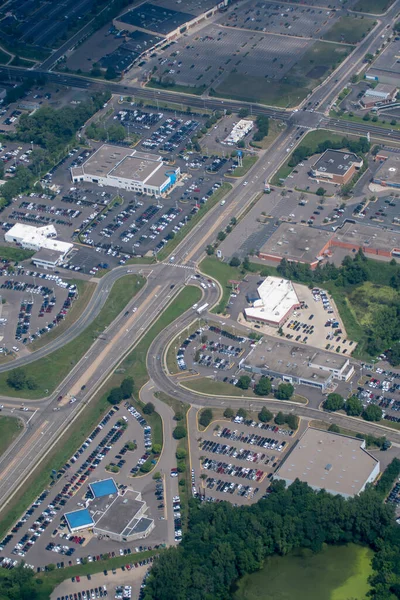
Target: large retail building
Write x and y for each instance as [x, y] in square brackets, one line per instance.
[127, 169]
[277, 300]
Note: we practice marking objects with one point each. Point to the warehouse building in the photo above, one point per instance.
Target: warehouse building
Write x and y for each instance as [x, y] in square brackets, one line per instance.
[127, 169]
[330, 461]
[379, 96]
[310, 245]
[386, 68]
[276, 302]
[335, 166]
[388, 174]
[50, 251]
[297, 364]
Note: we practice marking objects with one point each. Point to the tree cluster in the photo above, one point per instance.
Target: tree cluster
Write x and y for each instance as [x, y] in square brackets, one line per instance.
[123, 392]
[112, 133]
[206, 416]
[223, 542]
[262, 124]
[284, 391]
[18, 380]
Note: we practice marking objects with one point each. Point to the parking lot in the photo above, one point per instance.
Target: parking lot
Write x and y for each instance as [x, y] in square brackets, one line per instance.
[278, 18]
[13, 154]
[238, 458]
[381, 387]
[206, 57]
[41, 535]
[33, 304]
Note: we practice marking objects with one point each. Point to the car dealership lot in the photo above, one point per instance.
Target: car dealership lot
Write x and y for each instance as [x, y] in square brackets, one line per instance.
[41, 536]
[238, 458]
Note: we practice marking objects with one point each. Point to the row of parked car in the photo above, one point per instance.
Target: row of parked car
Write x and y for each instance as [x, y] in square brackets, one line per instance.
[223, 468]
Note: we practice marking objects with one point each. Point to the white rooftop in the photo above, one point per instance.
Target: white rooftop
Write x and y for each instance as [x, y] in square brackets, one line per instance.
[277, 298]
[40, 236]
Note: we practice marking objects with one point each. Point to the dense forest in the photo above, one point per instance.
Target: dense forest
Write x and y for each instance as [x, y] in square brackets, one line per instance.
[223, 542]
[383, 331]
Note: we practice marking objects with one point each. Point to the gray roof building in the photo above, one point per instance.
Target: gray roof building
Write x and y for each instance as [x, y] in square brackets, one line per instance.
[330, 461]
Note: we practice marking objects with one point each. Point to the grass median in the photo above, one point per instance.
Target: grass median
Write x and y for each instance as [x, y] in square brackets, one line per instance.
[248, 162]
[48, 372]
[205, 208]
[10, 428]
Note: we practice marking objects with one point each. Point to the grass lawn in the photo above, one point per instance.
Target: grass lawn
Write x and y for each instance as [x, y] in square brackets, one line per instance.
[386, 123]
[49, 371]
[10, 428]
[85, 291]
[365, 299]
[135, 363]
[275, 128]
[311, 140]
[15, 254]
[335, 573]
[248, 162]
[374, 7]
[349, 29]
[209, 386]
[182, 233]
[313, 66]
[144, 260]
[21, 62]
[179, 89]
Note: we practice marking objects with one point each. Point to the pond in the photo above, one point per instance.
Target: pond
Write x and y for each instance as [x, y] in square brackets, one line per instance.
[335, 573]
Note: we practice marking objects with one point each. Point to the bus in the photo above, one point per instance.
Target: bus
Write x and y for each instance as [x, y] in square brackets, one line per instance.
[202, 308]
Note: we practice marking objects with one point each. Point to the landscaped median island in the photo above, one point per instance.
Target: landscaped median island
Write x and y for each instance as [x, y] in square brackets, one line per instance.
[10, 428]
[48, 372]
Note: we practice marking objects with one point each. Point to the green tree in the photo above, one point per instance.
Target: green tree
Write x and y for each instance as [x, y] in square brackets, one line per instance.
[353, 406]
[234, 262]
[292, 421]
[243, 113]
[210, 250]
[243, 382]
[181, 453]
[179, 432]
[280, 418]
[221, 236]
[372, 413]
[229, 413]
[127, 387]
[156, 448]
[263, 386]
[206, 416]
[242, 413]
[148, 408]
[284, 391]
[334, 428]
[334, 402]
[320, 191]
[111, 73]
[17, 379]
[265, 415]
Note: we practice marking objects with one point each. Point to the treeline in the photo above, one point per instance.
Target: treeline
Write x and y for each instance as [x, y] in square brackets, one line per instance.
[383, 331]
[303, 152]
[112, 133]
[52, 130]
[223, 542]
[262, 124]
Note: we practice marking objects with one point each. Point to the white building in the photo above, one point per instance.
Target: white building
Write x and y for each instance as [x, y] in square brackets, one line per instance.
[239, 131]
[277, 300]
[42, 240]
[127, 169]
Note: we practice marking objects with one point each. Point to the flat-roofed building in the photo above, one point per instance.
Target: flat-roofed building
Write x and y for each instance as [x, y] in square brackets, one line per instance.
[379, 96]
[121, 517]
[330, 461]
[127, 169]
[310, 245]
[388, 174]
[50, 251]
[277, 300]
[386, 68]
[297, 364]
[336, 166]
